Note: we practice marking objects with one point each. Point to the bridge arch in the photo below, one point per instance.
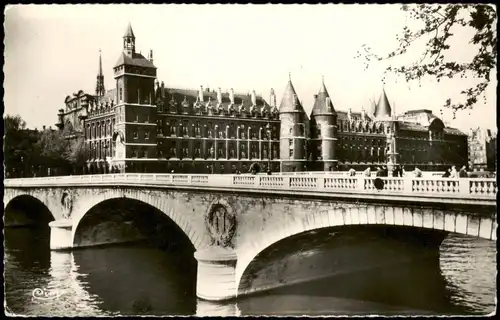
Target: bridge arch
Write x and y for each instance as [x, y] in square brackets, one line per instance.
[173, 211]
[24, 210]
[447, 221]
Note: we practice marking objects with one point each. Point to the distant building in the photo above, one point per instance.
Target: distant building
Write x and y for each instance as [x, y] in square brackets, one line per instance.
[142, 126]
[482, 149]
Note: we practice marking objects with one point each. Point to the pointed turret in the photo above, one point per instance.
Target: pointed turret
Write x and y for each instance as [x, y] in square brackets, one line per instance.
[129, 41]
[129, 32]
[99, 89]
[323, 123]
[383, 108]
[290, 101]
[294, 127]
[322, 102]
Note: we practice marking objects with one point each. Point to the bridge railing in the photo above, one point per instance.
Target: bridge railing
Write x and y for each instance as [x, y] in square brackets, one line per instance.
[425, 174]
[326, 183]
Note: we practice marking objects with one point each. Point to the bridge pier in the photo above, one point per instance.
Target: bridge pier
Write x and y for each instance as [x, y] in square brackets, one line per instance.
[61, 234]
[216, 278]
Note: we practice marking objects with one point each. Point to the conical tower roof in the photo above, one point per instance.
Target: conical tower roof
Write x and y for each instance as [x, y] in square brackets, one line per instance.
[322, 105]
[129, 32]
[383, 108]
[290, 102]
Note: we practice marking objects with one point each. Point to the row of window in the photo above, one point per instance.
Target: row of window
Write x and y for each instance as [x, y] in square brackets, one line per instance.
[100, 149]
[219, 151]
[361, 126]
[220, 131]
[99, 129]
[201, 109]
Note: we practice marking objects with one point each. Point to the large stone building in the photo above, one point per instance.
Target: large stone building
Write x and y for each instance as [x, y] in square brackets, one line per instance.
[482, 149]
[142, 126]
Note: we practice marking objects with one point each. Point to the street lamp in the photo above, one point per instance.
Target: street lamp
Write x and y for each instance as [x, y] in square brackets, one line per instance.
[268, 128]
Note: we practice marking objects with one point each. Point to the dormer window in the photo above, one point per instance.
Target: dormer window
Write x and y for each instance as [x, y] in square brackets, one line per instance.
[173, 105]
[185, 104]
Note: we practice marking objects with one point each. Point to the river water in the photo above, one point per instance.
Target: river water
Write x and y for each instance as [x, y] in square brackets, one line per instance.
[139, 279]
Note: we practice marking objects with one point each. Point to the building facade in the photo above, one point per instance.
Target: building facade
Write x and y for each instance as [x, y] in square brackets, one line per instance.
[482, 149]
[142, 126]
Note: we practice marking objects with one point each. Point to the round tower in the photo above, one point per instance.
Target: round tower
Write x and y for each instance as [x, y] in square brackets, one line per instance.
[323, 132]
[293, 135]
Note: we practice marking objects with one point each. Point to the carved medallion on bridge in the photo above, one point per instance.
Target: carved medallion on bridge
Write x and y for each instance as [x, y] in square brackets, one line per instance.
[221, 223]
[67, 204]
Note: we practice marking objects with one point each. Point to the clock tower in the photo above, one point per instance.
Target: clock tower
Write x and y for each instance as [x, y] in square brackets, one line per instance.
[135, 130]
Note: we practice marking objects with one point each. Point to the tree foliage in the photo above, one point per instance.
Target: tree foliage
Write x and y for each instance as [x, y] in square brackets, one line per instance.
[77, 153]
[437, 24]
[29, 152]
[53, 148]
[19, 145]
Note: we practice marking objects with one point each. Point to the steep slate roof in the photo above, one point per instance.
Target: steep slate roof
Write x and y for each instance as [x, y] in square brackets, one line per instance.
[342, 115]
[290, 102]
[383, 108]
[109, 95]
[137, 59]
[411, 126]
[192, 95]
[320, 106]
[454, 132]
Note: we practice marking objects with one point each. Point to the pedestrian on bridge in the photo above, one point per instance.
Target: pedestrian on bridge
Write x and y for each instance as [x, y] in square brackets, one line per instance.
[418, 173]
[367, 172]
[352, 172]
[463, 172]
[453, 173]
[447, 173]
[397, 172]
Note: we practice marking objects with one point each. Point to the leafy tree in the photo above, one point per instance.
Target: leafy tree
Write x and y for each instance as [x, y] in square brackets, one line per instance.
[53, 150]
[19, 151]
[436, 24]
[76, 154]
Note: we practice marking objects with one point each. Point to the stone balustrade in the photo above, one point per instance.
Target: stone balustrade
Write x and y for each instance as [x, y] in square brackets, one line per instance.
[467, 188]
[425, 174]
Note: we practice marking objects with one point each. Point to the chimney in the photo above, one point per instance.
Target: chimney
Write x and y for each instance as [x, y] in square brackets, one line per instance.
[200, 94]
[219, 95]
[151, 55]
[272, 99]
[231, 96]
[162, 89]
[254, 98]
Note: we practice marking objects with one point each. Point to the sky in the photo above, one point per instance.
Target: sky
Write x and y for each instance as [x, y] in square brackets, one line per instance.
[52, 51]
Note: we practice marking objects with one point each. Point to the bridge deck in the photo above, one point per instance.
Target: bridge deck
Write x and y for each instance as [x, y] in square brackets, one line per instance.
[477, 191]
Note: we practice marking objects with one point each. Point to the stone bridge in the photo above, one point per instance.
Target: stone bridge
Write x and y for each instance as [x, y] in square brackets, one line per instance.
[228, 220]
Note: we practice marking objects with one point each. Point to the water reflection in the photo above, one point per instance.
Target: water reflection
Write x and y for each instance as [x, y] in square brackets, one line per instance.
[223, 309]
[469, 267]
[137, 279]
